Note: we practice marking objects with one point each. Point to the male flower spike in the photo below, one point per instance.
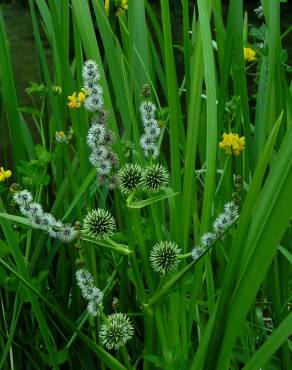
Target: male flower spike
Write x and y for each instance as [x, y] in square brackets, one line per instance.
[4, 174]
[232, 143]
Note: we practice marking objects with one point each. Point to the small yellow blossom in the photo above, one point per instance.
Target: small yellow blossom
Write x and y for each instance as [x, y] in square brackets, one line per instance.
[76, 99]
[249, 54]
[122, 6]
[232, 143]
[4, 174]
[82, 95]
[73, 101]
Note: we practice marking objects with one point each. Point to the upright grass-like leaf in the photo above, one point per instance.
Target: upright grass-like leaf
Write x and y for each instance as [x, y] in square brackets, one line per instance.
[215, 327]
[176, 128]
[19, 260]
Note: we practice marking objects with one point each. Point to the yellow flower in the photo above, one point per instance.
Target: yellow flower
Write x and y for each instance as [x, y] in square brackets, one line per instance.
[249, 54]
[82, 95]
[4, 174]
[122, 6]
[232, 143]
[76, 99]
[73, 101]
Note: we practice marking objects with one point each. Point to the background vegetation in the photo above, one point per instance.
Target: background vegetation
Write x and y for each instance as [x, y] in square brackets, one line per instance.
[231, 308]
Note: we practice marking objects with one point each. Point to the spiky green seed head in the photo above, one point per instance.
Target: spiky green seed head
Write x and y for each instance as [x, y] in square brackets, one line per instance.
[116, 331]
[155, 178]
[99, 224]
[164, 257]
[129, 178]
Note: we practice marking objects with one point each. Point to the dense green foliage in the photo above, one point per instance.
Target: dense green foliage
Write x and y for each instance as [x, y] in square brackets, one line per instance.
[225, 304]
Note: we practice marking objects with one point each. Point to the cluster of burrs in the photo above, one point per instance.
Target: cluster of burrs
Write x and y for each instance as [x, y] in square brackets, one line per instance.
[150, 179]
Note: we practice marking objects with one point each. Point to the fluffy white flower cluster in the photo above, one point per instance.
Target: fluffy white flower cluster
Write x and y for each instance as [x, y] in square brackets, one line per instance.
[90, 292]
[151, 129]
[221, 223]
[259, 11]
[43, 220]
[99, 138]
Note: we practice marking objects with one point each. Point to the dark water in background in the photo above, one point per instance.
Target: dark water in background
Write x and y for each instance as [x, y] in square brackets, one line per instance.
[22, 46]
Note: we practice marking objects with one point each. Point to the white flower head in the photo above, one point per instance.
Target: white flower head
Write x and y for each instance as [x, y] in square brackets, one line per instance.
[259, 11]
[96, 135]
[30, 209]
[84, 278]
[95, 306]
[104, 167]
[207, 239]
[146, 142]
[232, 210]
[93, 102]
[67, 234]
[153, 130]
[98, 154]
[152, 152]
[148, 110]
[90, 291]
[90, 71]
[36, 221]
[222, 222]
[22, 197]
[93, 88]
[96, 90]
[48, 220]
[197, 252]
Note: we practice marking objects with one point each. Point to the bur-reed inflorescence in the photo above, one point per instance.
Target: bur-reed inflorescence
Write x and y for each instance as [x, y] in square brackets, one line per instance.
[99, 224]
[151, 127]
[222, 222]
[129, 177]
[90, 292]
[116, 331]
[43, 220]
[155, 178]
[164, 257]
[99, 137]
